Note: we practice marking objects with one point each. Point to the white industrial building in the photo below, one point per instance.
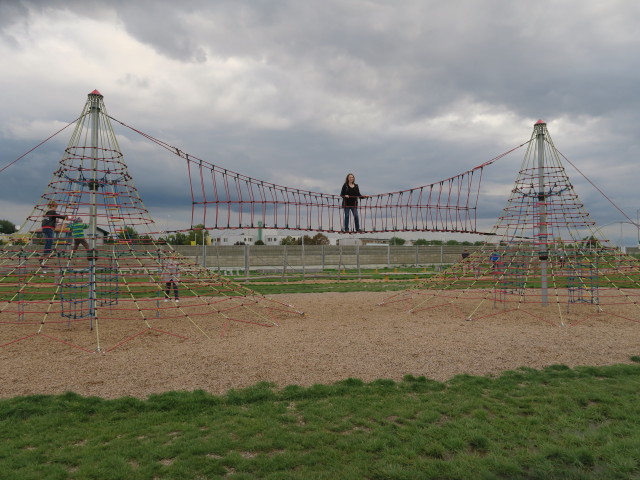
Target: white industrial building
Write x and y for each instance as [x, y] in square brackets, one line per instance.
[249, 237]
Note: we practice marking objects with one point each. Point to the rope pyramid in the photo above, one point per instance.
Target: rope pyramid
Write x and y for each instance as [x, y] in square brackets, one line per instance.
[548, 262]
[103, 279]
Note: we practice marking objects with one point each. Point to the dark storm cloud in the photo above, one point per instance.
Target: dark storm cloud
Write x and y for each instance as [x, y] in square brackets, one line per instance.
[11, 12]
[564, 57]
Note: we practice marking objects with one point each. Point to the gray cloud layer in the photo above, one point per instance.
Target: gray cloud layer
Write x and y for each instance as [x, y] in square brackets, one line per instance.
[402, 93]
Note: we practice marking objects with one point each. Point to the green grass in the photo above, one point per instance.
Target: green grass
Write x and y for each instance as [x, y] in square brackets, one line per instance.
[329, 280]
[557, 423]
[43, 288]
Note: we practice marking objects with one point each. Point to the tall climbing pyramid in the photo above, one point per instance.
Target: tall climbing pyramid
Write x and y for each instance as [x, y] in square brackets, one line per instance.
[546, 260]
[88, 271]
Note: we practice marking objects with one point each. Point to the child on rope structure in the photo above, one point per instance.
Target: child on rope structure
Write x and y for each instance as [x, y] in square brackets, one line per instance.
[49, 221]
[170, 277]
[77, 232]
[495, 257]
[464, 255]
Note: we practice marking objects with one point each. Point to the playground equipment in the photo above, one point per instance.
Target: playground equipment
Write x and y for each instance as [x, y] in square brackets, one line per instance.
[545, 261]
[99, 285]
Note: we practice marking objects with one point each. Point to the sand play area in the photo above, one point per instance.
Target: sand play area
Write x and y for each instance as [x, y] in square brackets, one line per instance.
[341, 335]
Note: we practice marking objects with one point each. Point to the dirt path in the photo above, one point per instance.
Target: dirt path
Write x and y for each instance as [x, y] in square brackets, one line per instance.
[342, 335]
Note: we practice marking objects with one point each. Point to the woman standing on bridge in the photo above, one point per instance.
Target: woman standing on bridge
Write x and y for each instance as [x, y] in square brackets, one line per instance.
[350, 194]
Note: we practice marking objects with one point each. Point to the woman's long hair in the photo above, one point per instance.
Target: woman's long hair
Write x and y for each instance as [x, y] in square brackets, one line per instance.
[346, 179]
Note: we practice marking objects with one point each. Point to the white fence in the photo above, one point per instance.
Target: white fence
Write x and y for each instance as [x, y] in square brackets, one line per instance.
[242, 259]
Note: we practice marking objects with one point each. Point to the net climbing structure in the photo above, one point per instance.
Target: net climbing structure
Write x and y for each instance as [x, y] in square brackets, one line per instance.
[89, 273]
[547, 261]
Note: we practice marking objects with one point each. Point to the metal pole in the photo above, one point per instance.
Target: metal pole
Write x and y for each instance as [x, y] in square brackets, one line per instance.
[542, 210]
[204, 251]
[389, 255]
[93, 203]
[303, 260]
[638, 224]
[284, 261]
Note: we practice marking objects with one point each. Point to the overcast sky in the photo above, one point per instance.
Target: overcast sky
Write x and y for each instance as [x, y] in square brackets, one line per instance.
[402, 93]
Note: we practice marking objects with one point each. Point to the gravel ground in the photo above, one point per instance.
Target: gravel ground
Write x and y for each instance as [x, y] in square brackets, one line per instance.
[341, 335]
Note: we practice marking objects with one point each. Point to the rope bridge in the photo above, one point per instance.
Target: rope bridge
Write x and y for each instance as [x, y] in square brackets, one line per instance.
[223, 199]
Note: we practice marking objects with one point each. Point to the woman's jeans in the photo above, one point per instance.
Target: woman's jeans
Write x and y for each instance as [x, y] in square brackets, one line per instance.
[354, 212]
[48, 240]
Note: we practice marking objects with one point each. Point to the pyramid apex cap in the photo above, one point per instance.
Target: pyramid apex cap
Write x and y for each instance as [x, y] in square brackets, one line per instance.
[540, 122]
[95, 92]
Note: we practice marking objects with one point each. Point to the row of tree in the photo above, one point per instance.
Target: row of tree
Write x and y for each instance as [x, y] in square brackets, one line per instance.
[317, 239]
[197, 234]
[7, 227]
[422, 241]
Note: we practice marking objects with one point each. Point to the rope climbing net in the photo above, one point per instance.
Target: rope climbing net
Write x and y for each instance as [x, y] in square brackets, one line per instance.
[547, 261]
[88, 271]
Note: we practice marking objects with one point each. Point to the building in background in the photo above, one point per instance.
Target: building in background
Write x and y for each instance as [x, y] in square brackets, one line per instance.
[248, 237]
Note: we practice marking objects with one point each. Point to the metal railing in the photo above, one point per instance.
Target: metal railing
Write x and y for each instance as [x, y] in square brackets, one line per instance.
[309, 259]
